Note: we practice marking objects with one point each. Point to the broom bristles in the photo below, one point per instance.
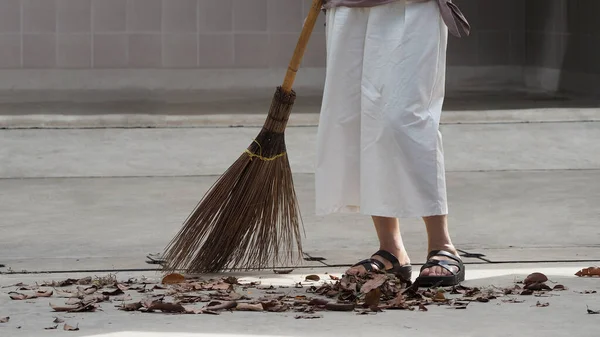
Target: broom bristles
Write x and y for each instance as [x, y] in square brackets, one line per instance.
[250, 217]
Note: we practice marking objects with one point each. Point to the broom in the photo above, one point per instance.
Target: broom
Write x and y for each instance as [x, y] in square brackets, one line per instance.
[249, 218]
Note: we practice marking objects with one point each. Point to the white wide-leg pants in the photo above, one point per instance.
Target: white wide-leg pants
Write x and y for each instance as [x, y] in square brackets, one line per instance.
[379, 146]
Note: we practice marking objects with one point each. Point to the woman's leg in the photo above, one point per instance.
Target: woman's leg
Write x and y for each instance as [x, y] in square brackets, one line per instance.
[390, 240]
[438, 239]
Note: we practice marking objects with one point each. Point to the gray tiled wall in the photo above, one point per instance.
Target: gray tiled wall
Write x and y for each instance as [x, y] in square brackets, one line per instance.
[210, 33]
[560, 35]
[153, 33]
[564, 35]
[497, 37]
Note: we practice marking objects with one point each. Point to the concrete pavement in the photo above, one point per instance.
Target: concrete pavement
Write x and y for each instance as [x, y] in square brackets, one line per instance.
[94, 201]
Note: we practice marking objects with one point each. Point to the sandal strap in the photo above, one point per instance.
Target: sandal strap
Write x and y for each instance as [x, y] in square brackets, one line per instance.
[444, 264]
[443, 253]
[390, 257]
[368, 264]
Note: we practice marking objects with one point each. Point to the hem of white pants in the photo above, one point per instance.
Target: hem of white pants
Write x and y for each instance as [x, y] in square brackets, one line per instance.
[349, 209]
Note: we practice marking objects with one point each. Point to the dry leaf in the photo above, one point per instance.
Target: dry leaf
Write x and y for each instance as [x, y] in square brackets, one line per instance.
[216, 306]
[95, 298]
[422, 307]
[314, 278]
[340, 306]
[527, 292]
[90, 290]
[333, 277]
[535, 278]
[173, 279]
[373, 297]
[283, 271]
[41, 293]
[67, 327]
[131, 306]
[4, 319]
[113, 292]
[52, 327]
[542, 305]
[318, 302]
[122, 287]
[589, 272]
[559, 287]
[537, 286]
[375, 282]
[512, 300]
[74, 308]
[163, 306]
[249, 307]
[19, 296]
[593, 312]
[440, 297]
[58, 320]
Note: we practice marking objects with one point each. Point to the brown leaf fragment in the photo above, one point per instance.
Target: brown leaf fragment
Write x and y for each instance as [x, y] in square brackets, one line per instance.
[163, 307]
[527, 292]
[95, 298]
[173, 279]
[283, 271]
[41, 293]
[216, 306]
[375, 282]
[4, 319]
[340, 306]
[589, 272]
[84, 281]
[333, 277]
[318, 302]
[114, 292]
[67, 327]
[231, 280]
[537, 286]
[58, 320]
[313, 278]
[19, 296]
[559, 287]
[372, 299]
[249, 307]
[422, 307]
[542, 305]
[308, 316]
[52, 327]
[482, 299]
[131, 306]
[593, 312]
[122, 287]
[512, 300]
[74, 308]
[535, 278]
[440, 297]
[90, 290]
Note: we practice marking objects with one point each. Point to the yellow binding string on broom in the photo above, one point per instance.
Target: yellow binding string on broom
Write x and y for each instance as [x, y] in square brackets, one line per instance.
[260, 156]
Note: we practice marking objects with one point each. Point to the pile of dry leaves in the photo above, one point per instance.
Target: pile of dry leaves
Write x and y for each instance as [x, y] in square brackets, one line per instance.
[363, 294]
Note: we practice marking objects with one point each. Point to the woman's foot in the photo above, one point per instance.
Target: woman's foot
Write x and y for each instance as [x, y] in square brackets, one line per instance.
[438, 270]
[386, 262]
[443, 266]
[392, 255]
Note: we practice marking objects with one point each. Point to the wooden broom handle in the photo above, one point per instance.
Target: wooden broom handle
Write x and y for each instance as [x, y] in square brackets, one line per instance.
[309, 25]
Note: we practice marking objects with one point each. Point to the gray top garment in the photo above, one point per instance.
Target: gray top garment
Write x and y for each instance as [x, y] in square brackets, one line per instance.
[451, 14]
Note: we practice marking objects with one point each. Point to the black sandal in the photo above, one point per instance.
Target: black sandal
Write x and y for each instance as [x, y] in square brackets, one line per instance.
[442, 281]
[403, 272]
